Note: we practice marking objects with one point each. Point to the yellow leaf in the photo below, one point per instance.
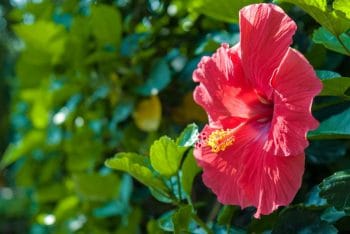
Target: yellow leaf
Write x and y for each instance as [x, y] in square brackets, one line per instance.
[148, 114]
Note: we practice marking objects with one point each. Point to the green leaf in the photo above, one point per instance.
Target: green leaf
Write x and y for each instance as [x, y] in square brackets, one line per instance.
[336, 23]
[160, 196]
[30, 64]
[300, 219]
[166, 156]
[106, 25]
[50, 192]
[189, 171]
[85, 156]
[336, 189]
[326, 151]
[96, 187]
[223, 10]
[332, 215]
[138, 167]
[326, 38]
[181, 219]
[325, 75]
[263, 225]
[133, 222]
[65, 207]
[188, 136]
[44, 47]
[333, 84]
[158, 79]
[45, 39]
[40, 100]
[15, 151]
[336, 126]
[313, 198]
[343, 6]
[165, 221]
[226, 214]
[153, 227]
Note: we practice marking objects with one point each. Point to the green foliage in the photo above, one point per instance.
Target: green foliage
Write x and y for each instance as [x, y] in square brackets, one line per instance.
[334, 127]
[96, 187]
[158, 79]
[106, 26]
[340, 44]
[181, 219]
[332, 20]
[226, 214]
[86, 80]
[166, 156]
[302, 220]
[137, 166]
[343, 6]
[334, 84]
[189, 171]
[188, 136]
[336, 190]
[225, 10]
[27, 143]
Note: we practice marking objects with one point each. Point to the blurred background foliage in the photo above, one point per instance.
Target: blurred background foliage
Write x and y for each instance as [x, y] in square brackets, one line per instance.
[82, 80]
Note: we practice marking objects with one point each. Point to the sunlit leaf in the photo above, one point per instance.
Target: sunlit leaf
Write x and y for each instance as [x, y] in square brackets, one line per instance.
[166, 156]
[223, 10]
[65, 207]
[333, 21]
[343, 6]
[44, 38]
[17, 150]
[138, 167]
[106, 25]
[188, 136]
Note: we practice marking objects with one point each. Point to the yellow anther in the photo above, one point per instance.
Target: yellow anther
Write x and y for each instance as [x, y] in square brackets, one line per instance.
[220, 139]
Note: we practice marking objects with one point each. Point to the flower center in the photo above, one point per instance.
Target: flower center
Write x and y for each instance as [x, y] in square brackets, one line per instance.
[220, 139]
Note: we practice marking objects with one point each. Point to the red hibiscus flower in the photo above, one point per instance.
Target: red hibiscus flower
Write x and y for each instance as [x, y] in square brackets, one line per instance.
[258, 97]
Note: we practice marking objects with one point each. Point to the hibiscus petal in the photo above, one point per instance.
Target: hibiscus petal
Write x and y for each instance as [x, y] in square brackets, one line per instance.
[266, 33]
[295, 85]
[223, 89]
[214, 74]
[271, 181]
[246, 175]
